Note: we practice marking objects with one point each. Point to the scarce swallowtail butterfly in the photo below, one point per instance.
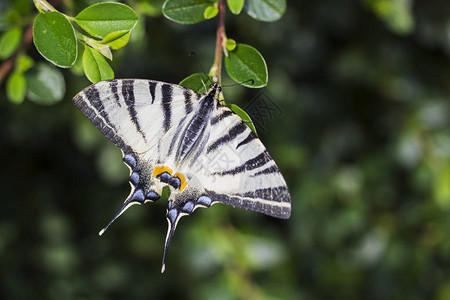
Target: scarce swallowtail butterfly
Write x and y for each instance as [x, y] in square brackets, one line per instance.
[172, 136]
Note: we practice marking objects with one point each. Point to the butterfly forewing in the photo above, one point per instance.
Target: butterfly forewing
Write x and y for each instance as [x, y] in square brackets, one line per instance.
[134, 114]
[238, 170]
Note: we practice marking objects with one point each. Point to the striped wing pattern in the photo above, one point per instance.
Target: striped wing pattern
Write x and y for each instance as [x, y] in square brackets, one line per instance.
[172, 136]
[243, 174]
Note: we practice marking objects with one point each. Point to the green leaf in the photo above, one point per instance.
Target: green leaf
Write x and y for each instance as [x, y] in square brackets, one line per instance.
[23, 63]
[95, 66]
[185, 11]
[210, 12]
[117, 39]
[54, 37]
[97, 45]
[45, 84]
[235, 6]
[266, 10]
[244, 116]
[101, 19]
[246, 63]
[16, 87]
[230, 44]
[196, 82]
[9, 41]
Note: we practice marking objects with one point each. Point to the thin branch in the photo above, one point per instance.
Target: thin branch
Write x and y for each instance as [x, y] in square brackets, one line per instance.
[217, 67]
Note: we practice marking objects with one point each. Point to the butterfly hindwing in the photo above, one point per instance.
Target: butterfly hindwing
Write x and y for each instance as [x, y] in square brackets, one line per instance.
[137, 115]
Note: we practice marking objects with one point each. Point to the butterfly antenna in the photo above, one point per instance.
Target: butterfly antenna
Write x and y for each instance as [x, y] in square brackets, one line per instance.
[252, 82]
[124, 207]
[201, 67]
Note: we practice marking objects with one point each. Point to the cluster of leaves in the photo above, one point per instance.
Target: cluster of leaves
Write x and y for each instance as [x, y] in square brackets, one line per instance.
[105, 26]
[242, 62]
[42, 83]
[83, 42]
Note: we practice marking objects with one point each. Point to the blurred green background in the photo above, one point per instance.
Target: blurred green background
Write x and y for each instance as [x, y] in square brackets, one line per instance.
[363, 141]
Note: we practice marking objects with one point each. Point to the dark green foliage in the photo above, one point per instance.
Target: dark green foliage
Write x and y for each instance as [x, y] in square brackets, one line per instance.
[361, 136]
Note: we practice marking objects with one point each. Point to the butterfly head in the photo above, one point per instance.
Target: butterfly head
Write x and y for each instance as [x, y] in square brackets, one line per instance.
[214, 90]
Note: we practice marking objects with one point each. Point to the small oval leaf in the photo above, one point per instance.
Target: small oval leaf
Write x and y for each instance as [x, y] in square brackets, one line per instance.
[210, 12]
[185, 11]
[54, 37]
[196, 82]
[230, 44]
[101, 19]
[23, 63]
[95, 66]
[245, 63]
[45, 84]
[9, 41]
[117, 39]
[16, 88]
[235, 6]
[265, 10]
[244, 116]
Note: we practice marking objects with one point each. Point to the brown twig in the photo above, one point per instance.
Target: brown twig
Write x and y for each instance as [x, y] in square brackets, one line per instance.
[219, 41]
[8, 64]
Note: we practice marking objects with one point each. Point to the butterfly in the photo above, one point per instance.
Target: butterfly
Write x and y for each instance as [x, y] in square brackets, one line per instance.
[172, 136]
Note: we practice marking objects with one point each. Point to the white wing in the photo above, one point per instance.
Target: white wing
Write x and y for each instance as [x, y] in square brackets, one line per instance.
[237, 170]
[173, 136]
[133, 113]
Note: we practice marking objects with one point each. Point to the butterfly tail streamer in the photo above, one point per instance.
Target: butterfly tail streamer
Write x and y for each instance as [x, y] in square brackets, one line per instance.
[173, 216]
[124, 207]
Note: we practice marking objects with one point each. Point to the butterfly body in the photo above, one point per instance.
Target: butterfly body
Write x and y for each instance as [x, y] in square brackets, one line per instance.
[172, 136]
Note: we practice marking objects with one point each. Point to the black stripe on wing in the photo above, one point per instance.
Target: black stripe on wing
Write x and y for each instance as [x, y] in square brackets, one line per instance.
[228, 137]
[98, 116]
[187, 101]
[166, 92]
[250, 137]
[128, 96]
[221, 116]
[151, 88]
[113, 86]
[251, 164]
[268, 170]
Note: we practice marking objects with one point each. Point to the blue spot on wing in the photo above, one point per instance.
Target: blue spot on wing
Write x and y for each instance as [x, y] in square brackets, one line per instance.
[172, 215]
[130, 160]
[138, 196]
[134, 178]
[152, 195]
[188, 207]
[204, 200]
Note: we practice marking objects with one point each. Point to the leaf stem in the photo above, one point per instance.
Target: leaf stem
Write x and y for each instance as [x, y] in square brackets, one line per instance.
[217, 67]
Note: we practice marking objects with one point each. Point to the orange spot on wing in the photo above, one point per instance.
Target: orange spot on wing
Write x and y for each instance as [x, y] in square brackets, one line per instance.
[161, 169]
[182, 179]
